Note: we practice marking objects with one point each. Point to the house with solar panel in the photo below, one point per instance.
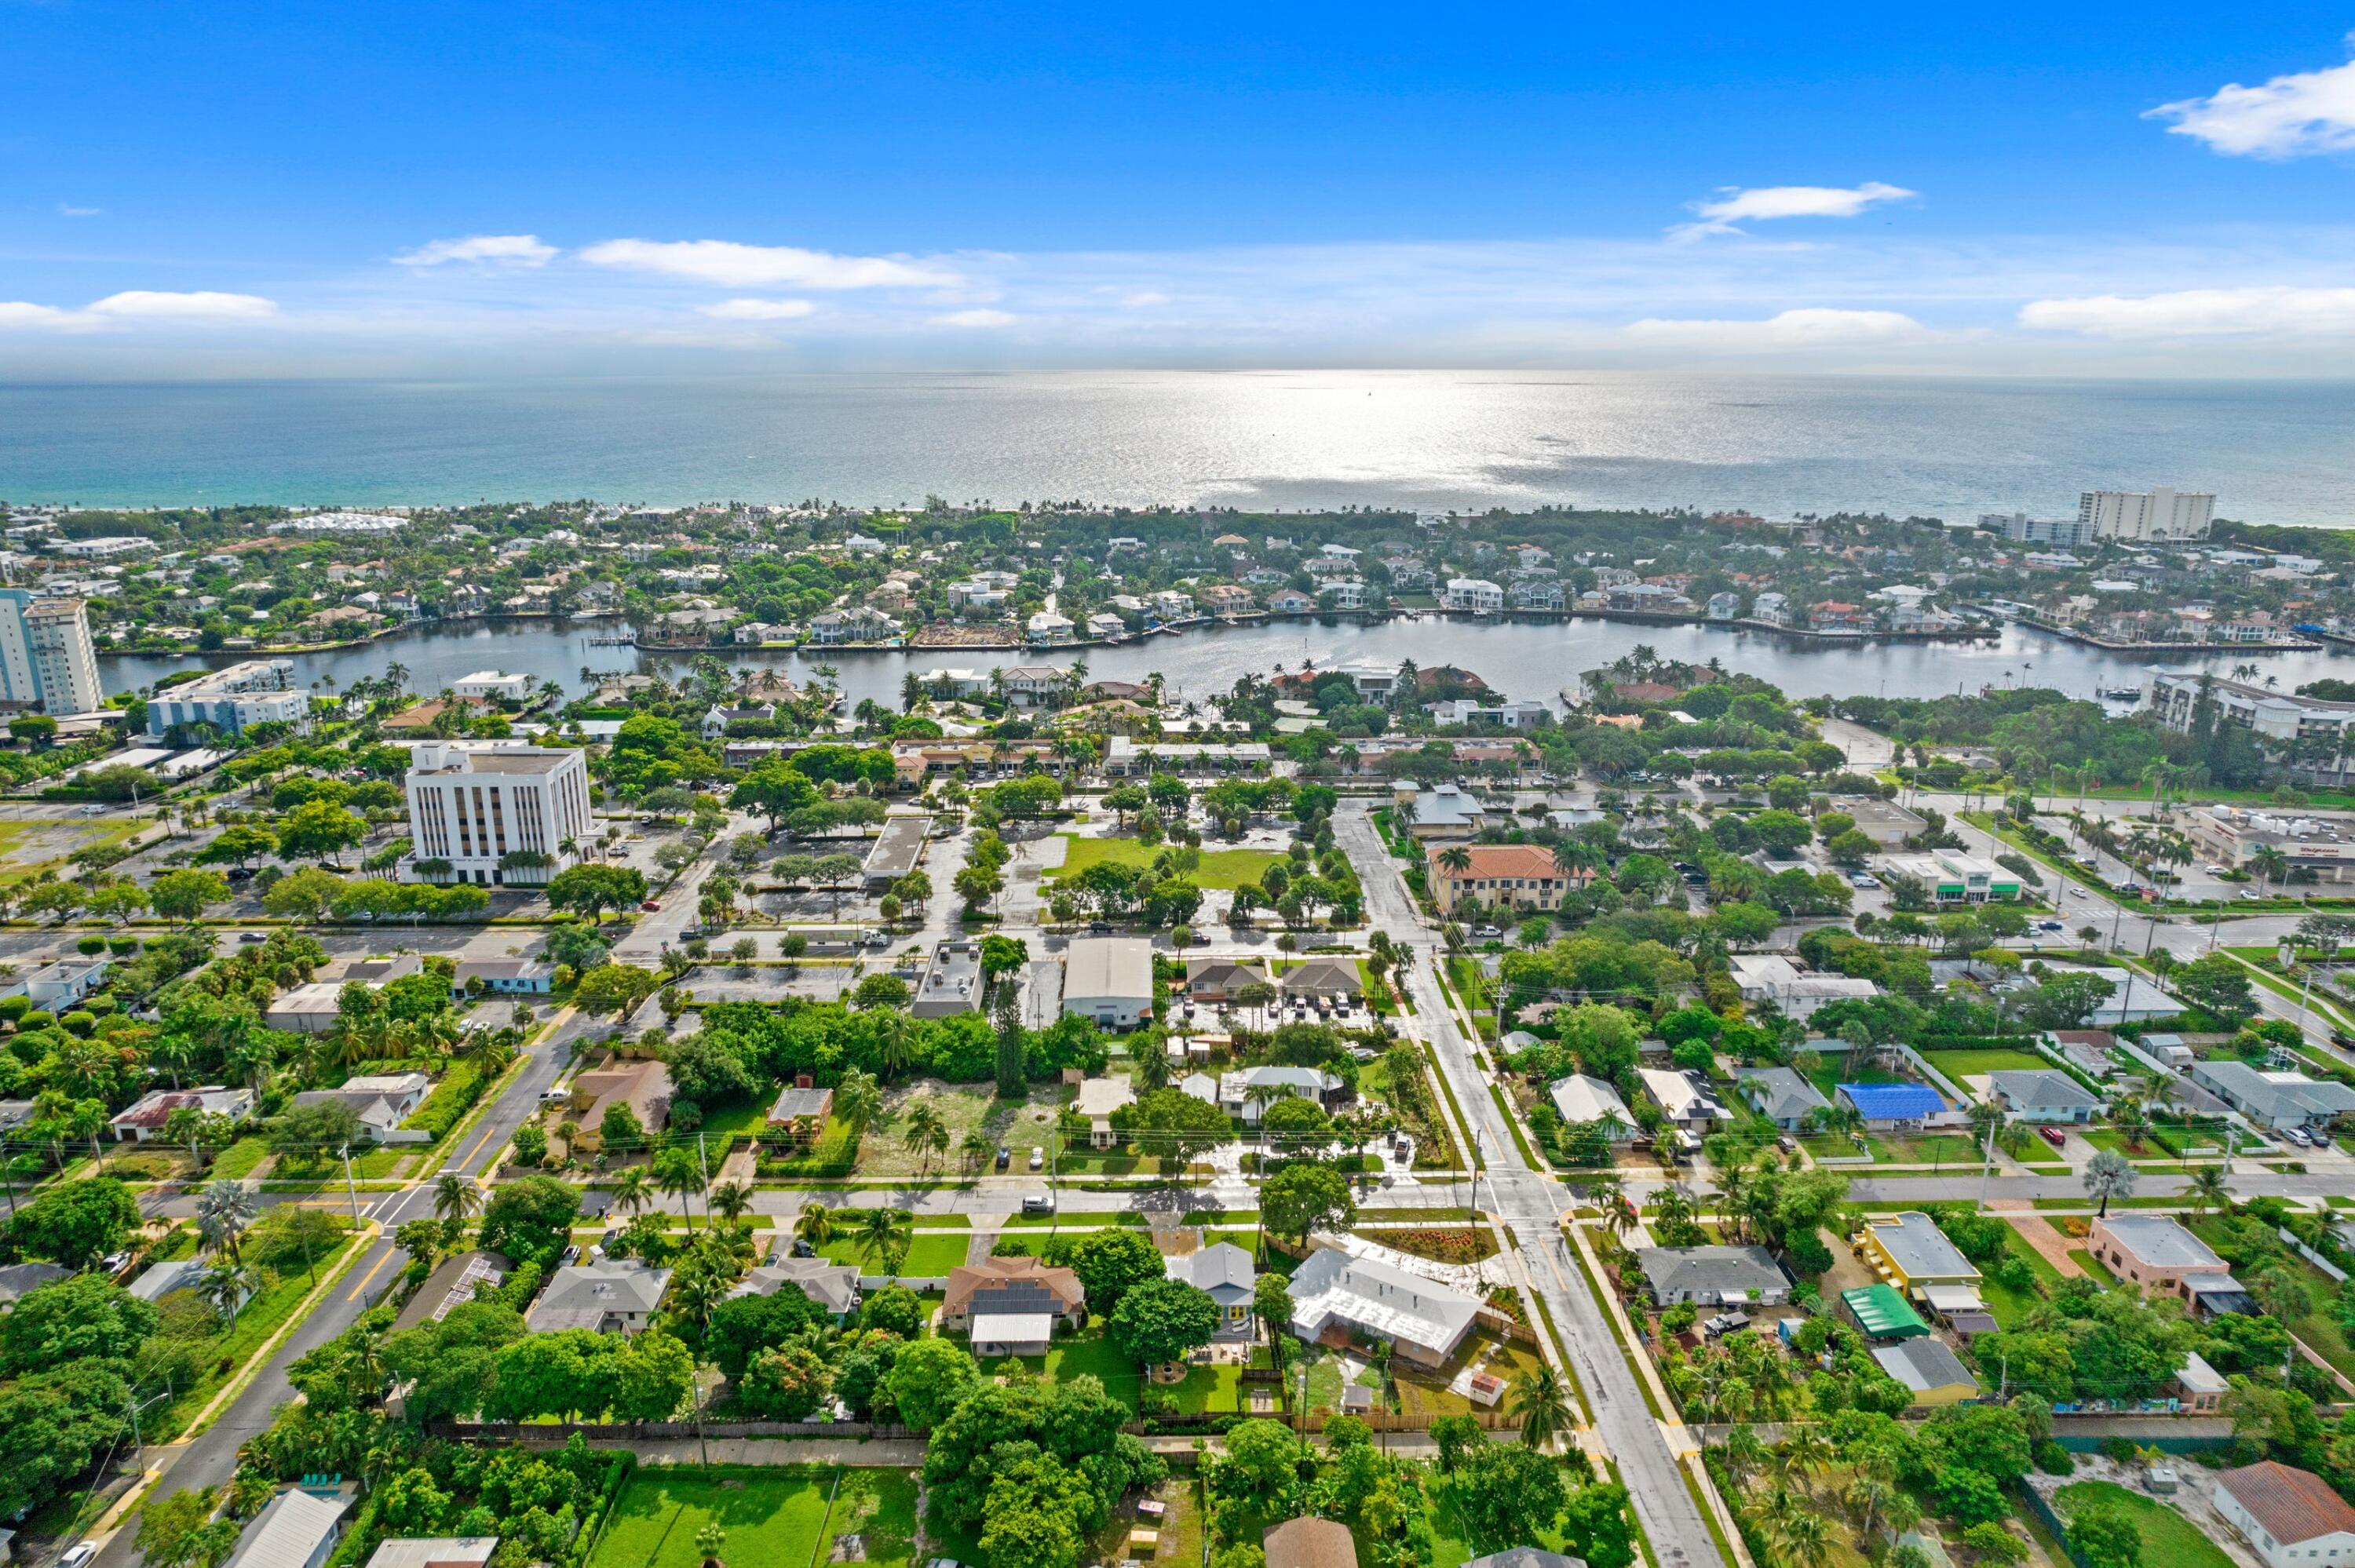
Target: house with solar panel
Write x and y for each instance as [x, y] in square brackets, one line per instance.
[1892, 1107]
[1910, 1252]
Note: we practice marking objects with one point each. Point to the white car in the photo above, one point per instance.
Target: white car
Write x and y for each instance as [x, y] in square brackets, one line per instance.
[1860, 880]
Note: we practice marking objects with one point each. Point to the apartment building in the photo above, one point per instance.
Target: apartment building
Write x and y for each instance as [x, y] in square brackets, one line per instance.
[2156, 514]
[2312, 732]
[258, 690]
[45, 660]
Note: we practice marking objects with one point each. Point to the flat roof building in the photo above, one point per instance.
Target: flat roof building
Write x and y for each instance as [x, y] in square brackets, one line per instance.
[258, 690]
[496, 813]
[1109, 980]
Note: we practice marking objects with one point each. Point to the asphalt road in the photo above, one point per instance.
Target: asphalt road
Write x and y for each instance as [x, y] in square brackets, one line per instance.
[1531, 1204]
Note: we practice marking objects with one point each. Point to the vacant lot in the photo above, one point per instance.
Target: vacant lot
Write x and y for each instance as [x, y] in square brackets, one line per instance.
[1226, 868]
[2166, 1536]
[769, 1516]
[963, 1109]
[1958, 1064]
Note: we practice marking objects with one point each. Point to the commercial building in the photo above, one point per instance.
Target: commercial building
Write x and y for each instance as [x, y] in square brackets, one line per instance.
[952, 982]
[2287, 1516]
[896, 850]
[1953, 876]
[496, 813]
[2315, 846]
[2157, 514]
[1794, 993]
[258, 690]
[46, 660]
[2068, 533]
[1108, 981]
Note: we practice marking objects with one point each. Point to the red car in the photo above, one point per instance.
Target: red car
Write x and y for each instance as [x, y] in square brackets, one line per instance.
[2054, 1136]
[650, 906]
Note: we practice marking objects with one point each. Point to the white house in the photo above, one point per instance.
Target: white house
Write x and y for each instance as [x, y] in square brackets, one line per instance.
[1475, 594]
[491, 685]
[1223, 1272]
[2287, 1516]
[1583, 1099]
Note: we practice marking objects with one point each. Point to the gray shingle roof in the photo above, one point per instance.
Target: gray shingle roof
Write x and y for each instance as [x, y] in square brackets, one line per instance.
[2043, 1090]
[1710, 1270]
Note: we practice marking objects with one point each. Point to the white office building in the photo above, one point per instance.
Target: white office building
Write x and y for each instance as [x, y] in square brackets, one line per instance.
[473, 804]
[44, 653]
[2158, 513]
[258, 690]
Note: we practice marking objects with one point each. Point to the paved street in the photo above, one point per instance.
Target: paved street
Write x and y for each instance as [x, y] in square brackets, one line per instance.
[1531, 1204]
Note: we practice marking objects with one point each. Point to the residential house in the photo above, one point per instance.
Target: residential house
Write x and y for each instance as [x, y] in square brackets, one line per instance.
[296, 1529]
[1713, 1276]
[17, 1280]
[1170, 604]
[1770, 608]
[1109, 980]
[1338, 1298]
[1793, 992]
[833, 1285]
[1322, 978]
[1931, 1372]
[2276, 1101]
[382, 1101]
[1780, 1095]
[1503, 716]
[1226, 599]
[1912, 1252]
[859, 624]
[2200, 1388]
[1686, 1099]
[1893, 1106]
[2157, 1252]
[2042, 1095]
[1224, 1273]
[1011, 1306]
[457, 1280]
[58, 985]
[143, 1122]
[1097, 1100]
[618, 1296]
[799, 1114]
[1539, 593]
[1047, 626]
[436, 1551]
[1582, 1098]
[1309, 1542]
[1724, 606]
[716, 719]
[1438, 811]
[1243, 1093]
[1476, 594]
[1833, 615]
[1342, 593]
[2289, 1517]
[1036, 686]
[1514, 876]
[1290, 602]
[1216, 981]
[642, 1086]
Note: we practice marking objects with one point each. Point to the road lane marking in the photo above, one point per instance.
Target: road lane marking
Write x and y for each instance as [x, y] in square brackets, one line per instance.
[389, 1250]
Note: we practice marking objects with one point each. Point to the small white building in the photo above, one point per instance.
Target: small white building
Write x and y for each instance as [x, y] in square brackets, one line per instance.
[2287, 1516]
[491, 685]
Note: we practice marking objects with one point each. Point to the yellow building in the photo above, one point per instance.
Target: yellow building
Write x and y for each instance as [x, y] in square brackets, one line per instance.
[1912, 1252]
[1934, 1376]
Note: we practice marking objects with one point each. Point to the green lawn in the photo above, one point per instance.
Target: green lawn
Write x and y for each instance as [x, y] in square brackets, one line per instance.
[771, 1515]
[1956, 1063]
[236, 1163]
[224, 1355]
[1224, 868]
[2166, 1536]
[930, 1257]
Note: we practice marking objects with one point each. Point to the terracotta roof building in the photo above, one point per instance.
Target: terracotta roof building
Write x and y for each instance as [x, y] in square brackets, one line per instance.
[1010, 1305]
[1525, 876]
[2287, 1514]
[1310, 1542]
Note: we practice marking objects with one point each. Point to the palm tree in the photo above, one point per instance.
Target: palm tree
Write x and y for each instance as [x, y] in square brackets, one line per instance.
[1543, 1407]
[1742, 1454]
[856, 1100]
[923, 1123]
[815, 1225]
[1803, 1537]
[226, 1287]
[633, 1192]
[2270, 864]
[2108, 1175]
[679, 1174]
[455, 1199]
[2207, 1191]
[731, 1201]
[974, 1152]
[223, 1211]
[882, 1237]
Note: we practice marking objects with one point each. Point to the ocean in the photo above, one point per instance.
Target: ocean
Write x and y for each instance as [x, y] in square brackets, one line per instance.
[2272, 451]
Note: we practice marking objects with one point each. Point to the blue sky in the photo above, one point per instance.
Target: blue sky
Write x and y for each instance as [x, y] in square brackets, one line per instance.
[215, 189]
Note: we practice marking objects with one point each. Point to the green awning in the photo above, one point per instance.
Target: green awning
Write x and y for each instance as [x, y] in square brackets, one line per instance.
[1884, 1313]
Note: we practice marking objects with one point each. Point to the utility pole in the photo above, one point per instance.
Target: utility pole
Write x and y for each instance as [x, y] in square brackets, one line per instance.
[351, 1189]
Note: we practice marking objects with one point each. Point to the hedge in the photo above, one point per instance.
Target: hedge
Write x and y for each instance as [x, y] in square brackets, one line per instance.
[452, 1098]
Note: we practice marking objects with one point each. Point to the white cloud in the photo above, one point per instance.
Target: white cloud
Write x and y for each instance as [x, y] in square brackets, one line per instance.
[734, 265]
[2198, 313]
[1816, 327]
[975, 319]
[151, 305]
[505, 249]
[133, 305]
[2305, 111]
[1733, 204]
[758, 309]
[66, 211]
[1144, 297]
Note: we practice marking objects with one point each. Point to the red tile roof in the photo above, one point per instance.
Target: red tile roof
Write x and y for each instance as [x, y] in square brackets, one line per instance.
[2290, 1505]
[1501, 860]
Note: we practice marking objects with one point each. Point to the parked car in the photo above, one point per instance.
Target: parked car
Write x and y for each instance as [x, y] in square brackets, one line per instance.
[1038, 1204]
[1038, 1157]
[1099, 928]
[2054, 1136]
[2049, 925]
[1486, 931]
[650, 907]
[1004, 1158]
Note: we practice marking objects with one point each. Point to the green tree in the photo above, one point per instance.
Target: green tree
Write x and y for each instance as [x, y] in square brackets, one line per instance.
[182, 894]
[590, 890]
[2104, 1530]
[2108, 1175]
[617, 989]
[530, 1220]
[178, 1531]
[773, 789]
[929, 1379]
[1112, 1261]
[1159, 1320]
[77, 1223]
[2217, 984]
[239, 844]
[81, 1317]
[318, 830]
[304, 896]
[1262, 1458]
[1302, 1198]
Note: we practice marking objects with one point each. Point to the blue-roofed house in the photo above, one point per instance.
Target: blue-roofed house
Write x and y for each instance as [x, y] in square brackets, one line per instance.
[1892, 1105]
